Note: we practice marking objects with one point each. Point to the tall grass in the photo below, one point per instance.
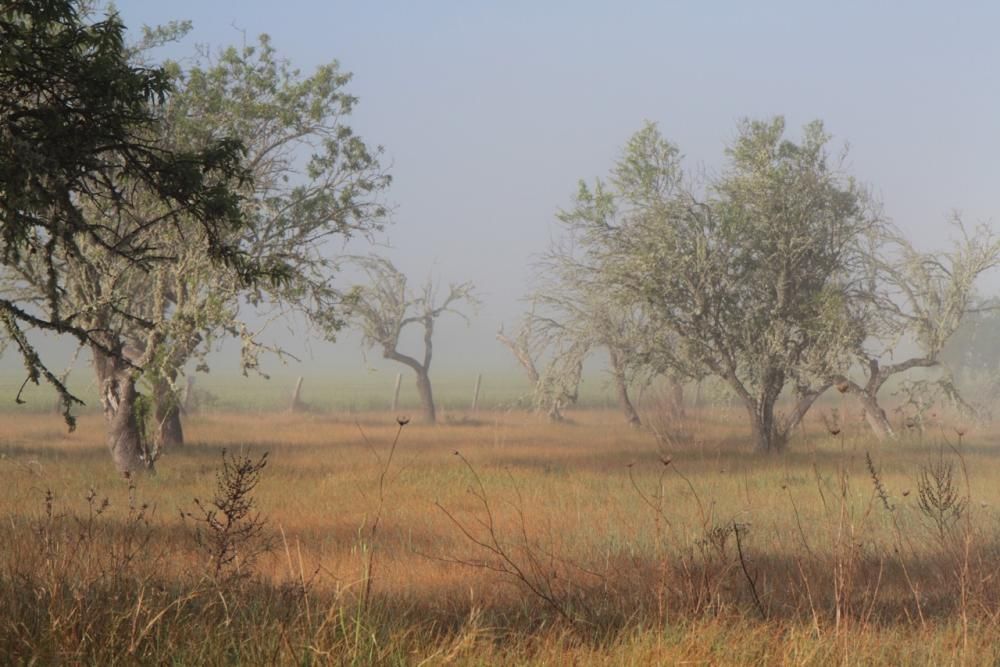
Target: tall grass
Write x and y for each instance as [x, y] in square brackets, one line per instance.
[535, 543]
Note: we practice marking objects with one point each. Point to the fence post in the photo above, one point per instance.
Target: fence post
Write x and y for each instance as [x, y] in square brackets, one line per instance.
[395, 393]
[296, 394]
[475, 392]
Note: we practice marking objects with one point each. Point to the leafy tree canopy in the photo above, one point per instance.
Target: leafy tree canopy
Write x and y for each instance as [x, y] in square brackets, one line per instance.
[78, 127]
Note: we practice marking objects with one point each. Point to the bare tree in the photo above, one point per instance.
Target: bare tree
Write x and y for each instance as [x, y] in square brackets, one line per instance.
[916, 298]
[521, 346]
[578, 321]
[383, 308]
[557, 385]
[575, 312]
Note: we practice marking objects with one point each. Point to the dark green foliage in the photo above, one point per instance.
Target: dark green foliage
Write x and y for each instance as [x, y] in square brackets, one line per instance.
[77, 120]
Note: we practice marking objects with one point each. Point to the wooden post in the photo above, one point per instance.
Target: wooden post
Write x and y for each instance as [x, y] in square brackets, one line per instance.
[395, 392]
[475, 392]
[296, 402]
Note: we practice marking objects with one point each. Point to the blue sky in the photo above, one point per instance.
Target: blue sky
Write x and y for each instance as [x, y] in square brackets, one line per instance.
[491, 112]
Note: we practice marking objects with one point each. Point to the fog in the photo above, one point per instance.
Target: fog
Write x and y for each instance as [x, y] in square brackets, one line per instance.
[490, 113]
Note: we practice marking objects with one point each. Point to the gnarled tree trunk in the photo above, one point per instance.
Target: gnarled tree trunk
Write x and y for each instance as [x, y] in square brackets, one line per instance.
[168, 430]
[426, 396]
[766, 438]
[876, 417]
[621, 388]
[878, 375]
[116, 381]
[771, 431]
[422, 371]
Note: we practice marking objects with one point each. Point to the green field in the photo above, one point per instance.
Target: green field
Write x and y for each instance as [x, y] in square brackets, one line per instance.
[355, 392]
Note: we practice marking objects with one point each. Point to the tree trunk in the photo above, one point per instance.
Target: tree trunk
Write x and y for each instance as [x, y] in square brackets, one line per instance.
[868, 395]
[805, 397]
[762, 428]
[621, 389]
[426, 396]
[766, 436]
[878, 375]
[876, 417]
[118, 398]
[169, 431]
[677, 397]
[423, 378]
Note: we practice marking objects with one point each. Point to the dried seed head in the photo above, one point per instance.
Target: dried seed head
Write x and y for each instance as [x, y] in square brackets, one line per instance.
[843, 386]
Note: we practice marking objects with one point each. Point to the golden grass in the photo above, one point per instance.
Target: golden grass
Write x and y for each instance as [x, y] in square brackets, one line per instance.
[608, 556]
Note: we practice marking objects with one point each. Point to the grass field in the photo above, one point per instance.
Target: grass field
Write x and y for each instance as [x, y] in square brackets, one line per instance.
[499, 538]
[353, 393]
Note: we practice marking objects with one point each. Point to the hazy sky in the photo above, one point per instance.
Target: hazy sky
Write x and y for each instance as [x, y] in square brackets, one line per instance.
[491, 112]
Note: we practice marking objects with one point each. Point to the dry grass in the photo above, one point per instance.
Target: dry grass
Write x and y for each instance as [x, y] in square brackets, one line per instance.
[539, 543]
